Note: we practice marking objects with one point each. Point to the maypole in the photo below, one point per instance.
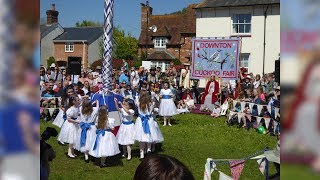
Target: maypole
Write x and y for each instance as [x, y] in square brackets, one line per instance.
[107, 44]
[106, 97]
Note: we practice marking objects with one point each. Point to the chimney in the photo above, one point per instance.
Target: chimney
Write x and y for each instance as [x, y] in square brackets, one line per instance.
[146, 11]
[52, 15]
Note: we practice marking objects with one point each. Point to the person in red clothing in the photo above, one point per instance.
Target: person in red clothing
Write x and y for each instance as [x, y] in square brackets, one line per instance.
[78, 89]
[302, 126]
[187, 97]
[99, 83]
[210, 94]
[58, 88]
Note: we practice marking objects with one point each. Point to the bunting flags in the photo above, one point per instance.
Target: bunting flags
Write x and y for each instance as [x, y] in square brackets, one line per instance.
[276, 111]
[275, 126]
[243, 104]
[269, 109]
[224, 108]
[209, 168]
[239, 117]
[51, 110]
[236, 167]
[223, 176]
[273, 111]
[231, 114]
[234, 103]
[259, 109]
[267, 121]
[262, 165]
[251, 107]
[258, 120]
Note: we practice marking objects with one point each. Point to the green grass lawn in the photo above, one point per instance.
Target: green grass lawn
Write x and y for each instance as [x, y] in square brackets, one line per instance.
[191, 139]
[297, 172]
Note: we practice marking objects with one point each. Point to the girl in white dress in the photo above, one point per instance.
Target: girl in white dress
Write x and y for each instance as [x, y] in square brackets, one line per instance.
[125, 135]
[167, 107]
[146, 129]
[105, 143]
[87, 131]
[156, 134]
[60, 118]
[70, 126]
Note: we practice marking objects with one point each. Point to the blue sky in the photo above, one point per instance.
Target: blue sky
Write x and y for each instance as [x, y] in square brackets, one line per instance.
[126, 12]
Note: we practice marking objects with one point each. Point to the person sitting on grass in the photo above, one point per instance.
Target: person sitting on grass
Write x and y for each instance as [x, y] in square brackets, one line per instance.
[216, 110]
[246, 115]
[248, 96]
[182, 107]
[187, 97]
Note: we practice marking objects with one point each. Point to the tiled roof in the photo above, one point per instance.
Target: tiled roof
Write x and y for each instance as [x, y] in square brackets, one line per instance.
[170, 26]
[160, 55]
[230, 3]
[89, 34]
[46, 29]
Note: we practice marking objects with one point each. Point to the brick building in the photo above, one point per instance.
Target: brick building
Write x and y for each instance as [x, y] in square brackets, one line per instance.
[82, 43]
[166, 37]
[62, 43]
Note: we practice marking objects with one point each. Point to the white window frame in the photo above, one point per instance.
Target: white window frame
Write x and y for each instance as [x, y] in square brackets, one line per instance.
[242, 62]
[241, 24]
[162, 64]
[69, 47]
[166, 65]
[160, 42]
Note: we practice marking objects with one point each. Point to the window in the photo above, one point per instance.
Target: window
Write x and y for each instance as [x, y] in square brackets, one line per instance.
[241, 23]
[69, 47]
[163, 65]
[167, 64]
[154, 64]
[244, 60]
[160, 42]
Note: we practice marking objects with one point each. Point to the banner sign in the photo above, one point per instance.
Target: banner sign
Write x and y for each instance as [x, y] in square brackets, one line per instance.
[219, 57]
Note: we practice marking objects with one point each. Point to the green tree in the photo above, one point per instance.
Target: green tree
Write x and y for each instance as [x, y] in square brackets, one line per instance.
[125, 45]
[86, 23]
[138, 61]
[50, 60]
[176, 61]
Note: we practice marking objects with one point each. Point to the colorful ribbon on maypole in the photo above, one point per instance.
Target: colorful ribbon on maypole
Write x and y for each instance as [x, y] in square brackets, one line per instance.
[107, 44]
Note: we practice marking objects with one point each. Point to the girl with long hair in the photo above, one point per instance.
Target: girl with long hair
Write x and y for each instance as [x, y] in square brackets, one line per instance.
[87, 130]
[70, 126]
[146, 129]
[105, 143]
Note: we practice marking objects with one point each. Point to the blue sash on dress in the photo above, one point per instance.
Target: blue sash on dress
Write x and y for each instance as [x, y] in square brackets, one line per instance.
[85, 127]
[99, 132]
[145, 124]
[166, 97]
[64, 117]
[127, 122]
